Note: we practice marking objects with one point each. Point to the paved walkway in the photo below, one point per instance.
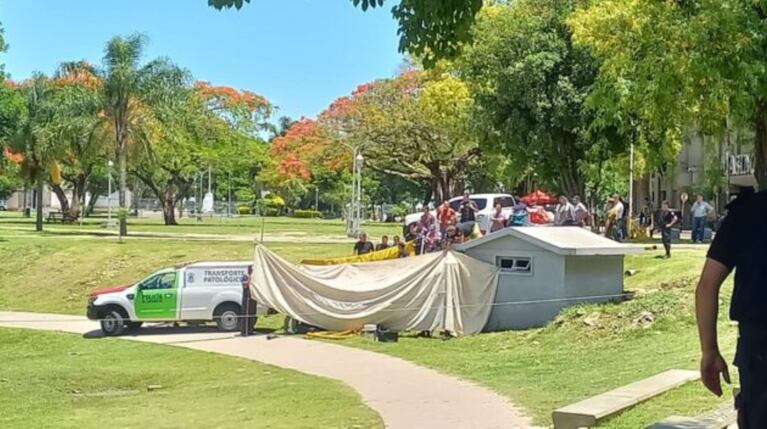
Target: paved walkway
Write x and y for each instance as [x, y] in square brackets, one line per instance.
[404, 394]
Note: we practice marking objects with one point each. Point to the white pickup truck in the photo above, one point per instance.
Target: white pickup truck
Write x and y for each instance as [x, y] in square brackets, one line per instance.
[485, 203]
[196, 292]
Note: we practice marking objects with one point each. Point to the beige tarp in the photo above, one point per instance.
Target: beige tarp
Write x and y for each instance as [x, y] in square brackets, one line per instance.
[445, 290]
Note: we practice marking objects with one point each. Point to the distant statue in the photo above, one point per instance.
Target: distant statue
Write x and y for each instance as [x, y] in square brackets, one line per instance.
[207, 203]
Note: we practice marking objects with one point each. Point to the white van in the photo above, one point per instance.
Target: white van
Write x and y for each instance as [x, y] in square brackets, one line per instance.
[198, 292]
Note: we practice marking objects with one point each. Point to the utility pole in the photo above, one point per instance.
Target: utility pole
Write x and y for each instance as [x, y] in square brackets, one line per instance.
[229, 191]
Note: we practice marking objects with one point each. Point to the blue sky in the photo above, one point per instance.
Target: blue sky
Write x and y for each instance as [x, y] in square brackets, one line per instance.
[300, 54]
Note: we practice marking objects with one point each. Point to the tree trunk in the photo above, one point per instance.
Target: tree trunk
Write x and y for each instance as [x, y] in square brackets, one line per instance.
[123, 166]
[78, 195]
[760, 145]
[63, 200]
[91, 204]
[427, 195]
[169, 210]
[39, 202]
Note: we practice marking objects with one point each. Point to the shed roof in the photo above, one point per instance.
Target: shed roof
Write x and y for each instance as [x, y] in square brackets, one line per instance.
[560, 240]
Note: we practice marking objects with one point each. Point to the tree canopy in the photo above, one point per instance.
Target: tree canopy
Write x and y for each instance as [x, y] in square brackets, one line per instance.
[531, 85]
[683, 64]
[428, 29]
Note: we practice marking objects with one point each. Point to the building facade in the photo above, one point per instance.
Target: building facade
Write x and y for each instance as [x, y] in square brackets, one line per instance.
[716, 168]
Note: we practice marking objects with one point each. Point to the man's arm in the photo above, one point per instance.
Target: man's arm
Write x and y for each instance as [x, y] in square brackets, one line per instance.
[707, 312]
[673, 221]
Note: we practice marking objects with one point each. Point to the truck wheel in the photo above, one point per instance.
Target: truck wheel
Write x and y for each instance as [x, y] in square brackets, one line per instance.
[113, 323]
[227, 317]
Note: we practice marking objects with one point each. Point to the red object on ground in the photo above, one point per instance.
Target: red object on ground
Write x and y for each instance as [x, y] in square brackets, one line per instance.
[98, 292]
[538, 198]
[539, 216]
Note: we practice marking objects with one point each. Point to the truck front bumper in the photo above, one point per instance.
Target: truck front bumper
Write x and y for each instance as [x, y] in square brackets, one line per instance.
[94, 312]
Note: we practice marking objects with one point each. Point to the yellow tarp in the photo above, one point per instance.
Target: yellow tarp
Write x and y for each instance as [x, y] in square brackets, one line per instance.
[380, 255]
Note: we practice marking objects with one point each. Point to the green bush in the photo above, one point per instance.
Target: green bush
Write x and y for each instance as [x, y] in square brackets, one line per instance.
[243, 210]
[307, 214]
[272, 211]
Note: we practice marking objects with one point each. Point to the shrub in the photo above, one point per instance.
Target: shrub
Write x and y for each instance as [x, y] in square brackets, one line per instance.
[307, 214]
[272, 211]
[243, 210]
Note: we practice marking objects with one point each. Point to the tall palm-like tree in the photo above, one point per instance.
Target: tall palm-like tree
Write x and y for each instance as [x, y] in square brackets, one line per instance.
[31, 137]
[81, 128]
[122, 87]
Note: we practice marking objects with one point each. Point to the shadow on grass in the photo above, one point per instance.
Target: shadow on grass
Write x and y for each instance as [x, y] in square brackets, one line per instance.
[191, 331]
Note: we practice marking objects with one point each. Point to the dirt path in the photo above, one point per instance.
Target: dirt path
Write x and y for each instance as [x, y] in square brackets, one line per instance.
[404, 394]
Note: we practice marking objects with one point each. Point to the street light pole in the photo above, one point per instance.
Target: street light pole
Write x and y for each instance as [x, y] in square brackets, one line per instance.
[360, 161]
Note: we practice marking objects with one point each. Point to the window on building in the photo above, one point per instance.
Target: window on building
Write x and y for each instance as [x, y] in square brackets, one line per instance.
[515, 264]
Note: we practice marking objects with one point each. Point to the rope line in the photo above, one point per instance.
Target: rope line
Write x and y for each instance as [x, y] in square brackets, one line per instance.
[437, 307]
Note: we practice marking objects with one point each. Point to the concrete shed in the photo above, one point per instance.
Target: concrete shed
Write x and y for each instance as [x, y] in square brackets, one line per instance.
[544, 269]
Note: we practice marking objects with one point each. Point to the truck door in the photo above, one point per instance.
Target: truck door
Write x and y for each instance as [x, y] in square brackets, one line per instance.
[157, 297]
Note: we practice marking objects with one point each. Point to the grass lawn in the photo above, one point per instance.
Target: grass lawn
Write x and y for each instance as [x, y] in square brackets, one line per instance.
[217, 225]
[52, 380]
[586, 351]
[589, 349]
[55, 274]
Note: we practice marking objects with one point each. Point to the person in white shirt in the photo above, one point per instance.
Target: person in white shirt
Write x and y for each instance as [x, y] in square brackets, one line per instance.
[621, 221]
[565, 216]
[580, 212]
[700, 211]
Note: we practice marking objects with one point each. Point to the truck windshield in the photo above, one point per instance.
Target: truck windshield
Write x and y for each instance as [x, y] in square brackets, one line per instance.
[160, 281]
[504, 201]
[480, 202]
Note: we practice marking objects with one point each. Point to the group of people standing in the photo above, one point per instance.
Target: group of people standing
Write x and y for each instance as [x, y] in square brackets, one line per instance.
[448, 227]
[571, 212]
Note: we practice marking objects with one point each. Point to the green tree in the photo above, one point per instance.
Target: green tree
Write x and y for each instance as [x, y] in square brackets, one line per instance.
[122, 92]
[192, 127]
[415, 127]
[32, 137]
[428, 29]
[681, 65]
[531, 85]
[81, 127]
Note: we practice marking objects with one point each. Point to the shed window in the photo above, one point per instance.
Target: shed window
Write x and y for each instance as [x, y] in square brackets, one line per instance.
[515, 264]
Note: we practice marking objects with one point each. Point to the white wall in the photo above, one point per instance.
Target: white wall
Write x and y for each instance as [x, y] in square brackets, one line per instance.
[525, 301]
[513, 308]
[593, 278]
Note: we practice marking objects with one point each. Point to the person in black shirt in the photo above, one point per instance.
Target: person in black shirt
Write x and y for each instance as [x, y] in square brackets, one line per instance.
[468, 209]
[384, 244]
[739, 245]
[363, 246]
[667, 219]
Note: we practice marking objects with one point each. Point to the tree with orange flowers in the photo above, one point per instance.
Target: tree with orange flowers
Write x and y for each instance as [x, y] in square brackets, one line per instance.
[415, 127]
[82, 127]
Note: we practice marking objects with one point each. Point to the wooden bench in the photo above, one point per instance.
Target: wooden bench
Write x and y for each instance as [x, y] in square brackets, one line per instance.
[589, 412]
[60, 217]
[55, 217]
